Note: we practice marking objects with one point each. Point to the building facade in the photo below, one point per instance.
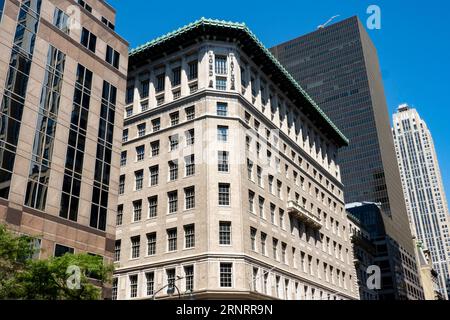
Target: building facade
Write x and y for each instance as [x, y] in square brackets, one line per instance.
[429, 276]
[338, 66]
[423, 188]
[364, 253]
[229, 184]
[62, 83]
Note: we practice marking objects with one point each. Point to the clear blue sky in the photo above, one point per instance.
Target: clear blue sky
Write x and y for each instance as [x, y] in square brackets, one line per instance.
[413, 43]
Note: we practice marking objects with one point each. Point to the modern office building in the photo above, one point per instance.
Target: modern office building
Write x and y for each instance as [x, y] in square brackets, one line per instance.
[229, 184]
[338, 66]
[364, 254]
[423, 189]
[62, 82]
[388, 255]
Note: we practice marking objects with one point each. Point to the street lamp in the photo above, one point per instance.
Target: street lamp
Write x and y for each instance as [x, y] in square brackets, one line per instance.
[171, 289]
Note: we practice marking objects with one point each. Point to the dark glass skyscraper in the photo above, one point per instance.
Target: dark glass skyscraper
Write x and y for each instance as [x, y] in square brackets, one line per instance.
[338, 66]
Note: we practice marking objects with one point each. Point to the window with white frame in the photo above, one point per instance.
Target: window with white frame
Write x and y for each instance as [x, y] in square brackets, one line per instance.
[221, 64]
[122, 184]
[226, 275]
[156, 124]
[189, 236]
[154, 175]
[141, 129]
[189, 165]
[189, 278]
[173, 142]
[225, 233]
[137, 210]
[172, 239]
[222, 109]
[173, 201]
[155, 148]
[151, 244]
[135, 247]
[221, 83]
[173, 170]
[223, 161]
[224, 194]
[140, 153]
[190, 113]
[174, 118]
[123, 158]
[251, 201]
[189, 198]
[152, 206]
[150, 283]
[117, 249]
[222, 133]
[139, 179]
[190, 137]
[119, 217]
[133, 285]
[253, 239]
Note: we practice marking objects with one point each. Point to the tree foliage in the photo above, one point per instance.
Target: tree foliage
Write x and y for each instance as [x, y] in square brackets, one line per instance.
[56, 278]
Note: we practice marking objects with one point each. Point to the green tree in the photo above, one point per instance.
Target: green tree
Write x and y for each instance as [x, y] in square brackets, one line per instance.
[70, 277]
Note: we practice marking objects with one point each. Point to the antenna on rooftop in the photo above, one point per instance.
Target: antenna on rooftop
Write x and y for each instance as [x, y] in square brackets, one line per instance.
[329, 20]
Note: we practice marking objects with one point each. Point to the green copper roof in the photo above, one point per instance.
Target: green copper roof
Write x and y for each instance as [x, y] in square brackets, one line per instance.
[203, 22]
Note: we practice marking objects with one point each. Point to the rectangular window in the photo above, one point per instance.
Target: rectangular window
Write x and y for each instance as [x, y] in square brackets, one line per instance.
[139, 179]
[261, 207]
[119, 217]
[189, 278]
[251, 201]
[151, 244]
[140, 153]
[88, 39]
[222, 109]
[141, 129]
[117, 248]
[275, 248]
[137, 210]
[160, 82]
[155, 148]
[145, 89]
[283, 253]
[221, 65]
[221, 83]
[189, 198]
[174, 118]
[123, 158]
[129, 95]
[189, 236]
[224, 194]
[249, 169]
[114, 281]
[173, 170]
[226, 275]
[150, 279]
[190, 137]
[190, 165]
[152, 206]
[129, 111]
[156, 124]
[173, 201]
[121, 184]
[176, 76]
[263, 243]
[223, 161]
[170, 273]
[193, 70]
[259, 176]
[272, 213]
[253, 239]
[190, 113]
[135, 247]
[225, 233]
[172, 239]
[133, 286]
[154, 175]
[222, 133]
[60, 19]
[281, 214]
[173, 142]
[112, 57]
[125, 135]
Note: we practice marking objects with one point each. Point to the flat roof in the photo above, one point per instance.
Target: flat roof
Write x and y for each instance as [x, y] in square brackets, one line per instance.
[209, 29]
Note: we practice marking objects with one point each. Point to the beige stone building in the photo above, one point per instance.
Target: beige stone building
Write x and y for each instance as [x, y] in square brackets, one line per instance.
[229, 184]
[62, 84]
